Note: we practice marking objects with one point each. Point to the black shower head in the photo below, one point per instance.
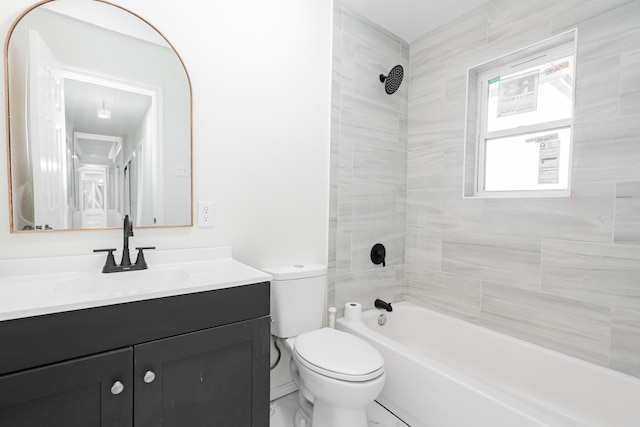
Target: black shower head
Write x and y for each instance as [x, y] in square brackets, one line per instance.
[393, 80]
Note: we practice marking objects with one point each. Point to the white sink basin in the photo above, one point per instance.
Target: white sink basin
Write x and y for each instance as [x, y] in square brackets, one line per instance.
[37, 286]
[123, 283]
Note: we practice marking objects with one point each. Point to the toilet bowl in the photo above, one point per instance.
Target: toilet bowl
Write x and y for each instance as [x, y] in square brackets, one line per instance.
[342, 374]
[337, 374]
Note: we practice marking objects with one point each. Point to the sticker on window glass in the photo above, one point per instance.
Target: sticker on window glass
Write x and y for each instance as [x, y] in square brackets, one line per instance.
[556, 68]
[549, 164]
[518, 94]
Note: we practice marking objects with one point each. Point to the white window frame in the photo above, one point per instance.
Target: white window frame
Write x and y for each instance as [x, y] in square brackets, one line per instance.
[476, 134]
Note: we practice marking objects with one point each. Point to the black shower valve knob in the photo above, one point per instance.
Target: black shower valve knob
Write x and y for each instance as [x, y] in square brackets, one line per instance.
[378, 254]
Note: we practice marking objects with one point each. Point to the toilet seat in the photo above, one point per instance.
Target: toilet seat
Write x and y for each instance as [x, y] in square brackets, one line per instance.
[338, 355]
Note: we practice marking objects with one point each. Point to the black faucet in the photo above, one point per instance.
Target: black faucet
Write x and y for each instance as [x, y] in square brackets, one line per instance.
[383, 305]
[127, 230]
[125, 265]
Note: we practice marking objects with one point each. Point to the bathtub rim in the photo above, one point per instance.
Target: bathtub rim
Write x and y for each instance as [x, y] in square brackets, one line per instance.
[404, 305]
[526, 404]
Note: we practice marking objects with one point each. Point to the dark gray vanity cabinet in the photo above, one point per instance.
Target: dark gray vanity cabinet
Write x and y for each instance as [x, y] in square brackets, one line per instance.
[190, 360]
[202, 379]
[74, 393]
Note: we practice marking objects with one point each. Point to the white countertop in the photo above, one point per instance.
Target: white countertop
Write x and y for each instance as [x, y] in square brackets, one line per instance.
[36, 286]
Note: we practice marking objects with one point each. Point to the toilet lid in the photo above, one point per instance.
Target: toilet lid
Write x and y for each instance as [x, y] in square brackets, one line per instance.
[338, 355]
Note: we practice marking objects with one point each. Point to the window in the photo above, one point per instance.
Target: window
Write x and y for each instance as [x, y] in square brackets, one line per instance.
[519, 127]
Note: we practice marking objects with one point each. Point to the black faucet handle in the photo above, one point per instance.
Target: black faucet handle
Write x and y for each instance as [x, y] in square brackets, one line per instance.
[105, 250]
[141, 263]
[110, 263]
[144, 248]
[378, 254]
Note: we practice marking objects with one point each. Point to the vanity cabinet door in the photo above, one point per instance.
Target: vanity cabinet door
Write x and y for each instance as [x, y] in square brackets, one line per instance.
[216, 377]
[90, 391]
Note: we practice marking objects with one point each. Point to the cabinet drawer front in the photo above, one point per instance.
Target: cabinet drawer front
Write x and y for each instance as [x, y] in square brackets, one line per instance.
[74, 393]
[41, 340]
[214, 377]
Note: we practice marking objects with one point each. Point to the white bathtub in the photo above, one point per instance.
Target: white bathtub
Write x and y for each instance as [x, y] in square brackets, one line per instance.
[443, 372]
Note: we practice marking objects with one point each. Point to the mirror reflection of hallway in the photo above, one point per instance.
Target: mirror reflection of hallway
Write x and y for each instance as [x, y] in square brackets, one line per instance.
[121, 78]
[93, 189]
[96, 177]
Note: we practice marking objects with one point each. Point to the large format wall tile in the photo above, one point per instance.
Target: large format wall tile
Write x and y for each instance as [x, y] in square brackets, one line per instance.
[625, 341]
[369, 162]
[601, 274]
[629, 87]
[360, 208]
[553, 268]
[501, 29]
[363, 240]
[597, 91]
[417, 207]
[572, 327]
[560, 272]
[365, 286]
[369, 124]
[425, 166]
[568, 14]
[460, 38]
[613, 31]
[424, 248]
[607, 150]
[444, 209]
[429, 83]
[586, 215]
[448, 293]
[510, 261]
[380, 168]
[627, 213]
[343, 251]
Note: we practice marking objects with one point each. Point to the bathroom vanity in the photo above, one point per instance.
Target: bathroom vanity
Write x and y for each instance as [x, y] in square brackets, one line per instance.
[190, 352]
[183, 343]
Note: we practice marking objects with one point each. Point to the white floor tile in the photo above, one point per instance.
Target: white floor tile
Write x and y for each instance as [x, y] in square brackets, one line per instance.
[284, 409]
[380, 417]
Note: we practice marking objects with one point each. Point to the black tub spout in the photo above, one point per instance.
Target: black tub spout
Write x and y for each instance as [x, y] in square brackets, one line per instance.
[383, 305]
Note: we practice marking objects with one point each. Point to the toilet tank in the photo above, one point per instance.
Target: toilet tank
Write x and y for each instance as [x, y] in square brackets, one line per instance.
[297, 298]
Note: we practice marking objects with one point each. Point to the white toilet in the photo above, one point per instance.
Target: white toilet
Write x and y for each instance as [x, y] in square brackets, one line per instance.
[337, 374]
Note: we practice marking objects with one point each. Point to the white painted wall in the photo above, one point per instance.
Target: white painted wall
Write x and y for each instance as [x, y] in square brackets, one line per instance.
[261, 74]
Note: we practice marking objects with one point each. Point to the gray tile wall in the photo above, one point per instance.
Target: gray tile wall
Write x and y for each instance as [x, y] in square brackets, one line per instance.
[368, 162]
[560, 272]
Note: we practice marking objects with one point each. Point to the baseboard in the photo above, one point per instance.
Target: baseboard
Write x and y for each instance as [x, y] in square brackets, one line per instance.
[282, 390]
